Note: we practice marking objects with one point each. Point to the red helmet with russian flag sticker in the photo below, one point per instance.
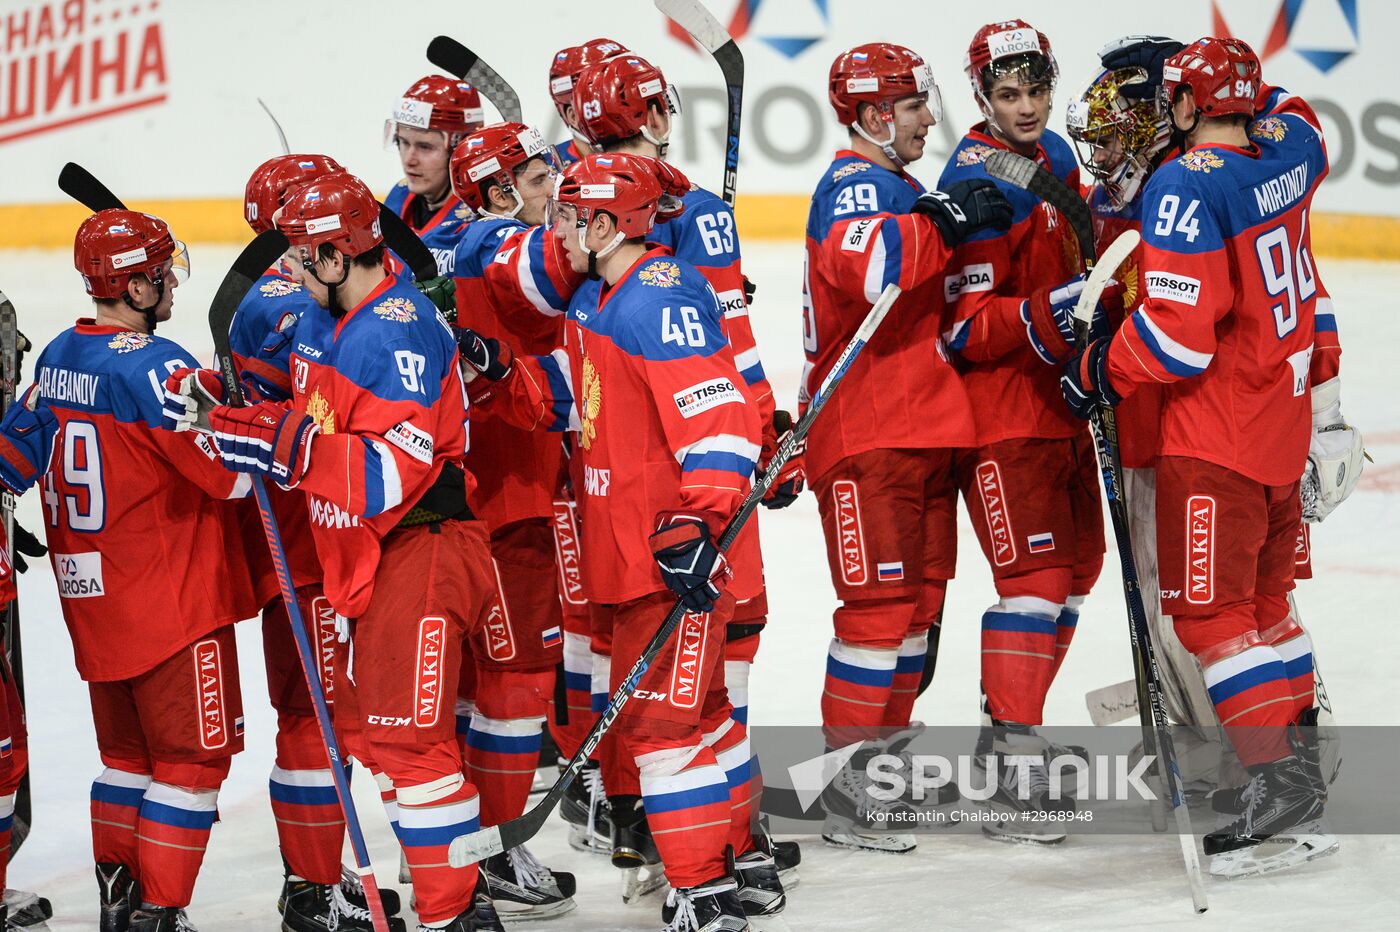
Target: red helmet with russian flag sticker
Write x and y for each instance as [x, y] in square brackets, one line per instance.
[1223, 74]
[493, 154]
[336, 209]
[879, 73]
[635, 190]
[569, 63]
[612, 100]
[113, 245]
[268, 185]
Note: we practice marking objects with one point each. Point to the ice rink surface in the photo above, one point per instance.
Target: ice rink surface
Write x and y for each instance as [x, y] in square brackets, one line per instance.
[950, 882]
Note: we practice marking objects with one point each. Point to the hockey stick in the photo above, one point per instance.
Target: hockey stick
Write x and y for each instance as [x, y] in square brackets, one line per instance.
[80, 184]
[1108, 705]
[281, 136]
[1149, 681]
[455, 58]
[14, 656]
[483, 843]
[399, 237]
[696, 19]
[255, 259]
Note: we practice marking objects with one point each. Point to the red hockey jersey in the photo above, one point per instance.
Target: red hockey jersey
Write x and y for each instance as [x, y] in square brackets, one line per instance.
[147, 554]
[903, 393]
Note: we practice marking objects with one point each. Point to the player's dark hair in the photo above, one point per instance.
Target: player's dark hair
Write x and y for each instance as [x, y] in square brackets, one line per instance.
[370, 258]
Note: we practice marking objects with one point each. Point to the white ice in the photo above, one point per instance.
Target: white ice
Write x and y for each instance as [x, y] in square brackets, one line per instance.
[953, 882]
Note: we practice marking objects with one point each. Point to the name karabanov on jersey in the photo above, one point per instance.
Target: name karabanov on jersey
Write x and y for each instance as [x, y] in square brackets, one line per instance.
[1277, 193]
[68, 385]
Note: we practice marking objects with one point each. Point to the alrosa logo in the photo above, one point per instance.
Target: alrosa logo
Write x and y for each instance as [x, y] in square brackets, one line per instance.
[849, 536]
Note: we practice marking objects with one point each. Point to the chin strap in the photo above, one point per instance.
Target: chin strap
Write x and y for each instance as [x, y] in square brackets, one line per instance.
[332, 304]
[887, 146]
[158, 280]
[661, 144]
[603, 253]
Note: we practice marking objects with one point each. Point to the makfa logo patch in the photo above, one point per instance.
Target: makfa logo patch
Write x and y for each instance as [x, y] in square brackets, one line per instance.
[209, 687]
[566, 547]
[500, 636]
[1200, 549]
[689, 663]
[993, 496]
[850, 538]
[428, 684]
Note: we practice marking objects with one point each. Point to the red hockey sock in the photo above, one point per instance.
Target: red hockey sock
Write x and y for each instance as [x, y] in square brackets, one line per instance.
[310, 825]
[1018, 654]
[578, 686]
[1248, 685]
[502, 756]
[686, 795]
[435, 803]
[908, 671]
[1294, 646]
[116, 807]
[172, 833]
[1065, 624]
[730, 743]
[858, 684]
[7, 821]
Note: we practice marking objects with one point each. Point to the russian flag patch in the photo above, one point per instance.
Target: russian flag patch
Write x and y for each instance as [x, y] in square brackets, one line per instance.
[890, 572]
[1040, 543]
[859, 56]
[238, 725]
[552, 636]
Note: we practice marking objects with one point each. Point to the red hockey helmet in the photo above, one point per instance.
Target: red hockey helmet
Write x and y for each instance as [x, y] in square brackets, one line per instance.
[635, 190]
[611, 99]
[1012, 46]
[1223, 74]
[268, 186]
[494, 153]
[879, 73]
[337, 209]
[438, 102]
[569, 63]
[114, 244]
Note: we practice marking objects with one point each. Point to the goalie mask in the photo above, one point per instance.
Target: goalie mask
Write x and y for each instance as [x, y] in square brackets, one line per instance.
[1119, 140]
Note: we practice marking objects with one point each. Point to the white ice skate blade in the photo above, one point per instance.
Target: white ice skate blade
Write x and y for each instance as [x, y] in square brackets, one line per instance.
[578, 840]
[520, 912]
[640, 882]
[790, 878]
[1278, 853]
[848, 837]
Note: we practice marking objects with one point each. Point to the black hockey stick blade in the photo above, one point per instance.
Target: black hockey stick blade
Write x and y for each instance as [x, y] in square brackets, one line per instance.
[455, 58]
[82, 186]
[407, 245]
[252, 262]
[1040, 181]
[696, 19]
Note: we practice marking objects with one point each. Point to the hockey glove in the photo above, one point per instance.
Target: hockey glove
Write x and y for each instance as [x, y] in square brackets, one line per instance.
[483, 356]
[264, 438]
[964, 209]
[691, 565]
[1049, 318]
[26, 441]
[749, 289]
[1146, 52]
[1335, 455]
[26, 545]
[190, 394]
[792, 477]
[22, 346]
[1084, 382]
[442, 291]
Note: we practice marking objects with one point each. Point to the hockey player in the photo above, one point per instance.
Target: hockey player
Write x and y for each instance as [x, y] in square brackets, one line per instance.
[1123, 131]
[513, 282]
[1030, 486]
[564, 70]
[374, 437]
[668, 445]
[425, 125]
[881, 456]
[317, 893]
[625, 105]
[164, 685]
[1231, 297]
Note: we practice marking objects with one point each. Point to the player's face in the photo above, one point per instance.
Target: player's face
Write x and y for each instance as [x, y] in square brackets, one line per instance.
[143, 291]
[1020, 111]
[534, 182]
[912, 120]
[328, 270]
[424, 155]
[565, 229]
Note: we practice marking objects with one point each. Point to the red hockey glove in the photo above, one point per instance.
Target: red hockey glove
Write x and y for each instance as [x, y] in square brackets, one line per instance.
[189, 396]
[792, 477]
[264, 438]
[691, 565]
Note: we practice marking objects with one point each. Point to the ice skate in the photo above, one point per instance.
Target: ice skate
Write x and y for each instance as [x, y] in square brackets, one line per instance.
[26, 911]
[786, 855]
[709, 907]
[354, 892]
[1278, 829]
[161, 919]
[118, 894]
[585, 807]
[314, 907]
[1022, 795]
[856, 820]
[634, 850]
[761, 890]
[524, 889]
